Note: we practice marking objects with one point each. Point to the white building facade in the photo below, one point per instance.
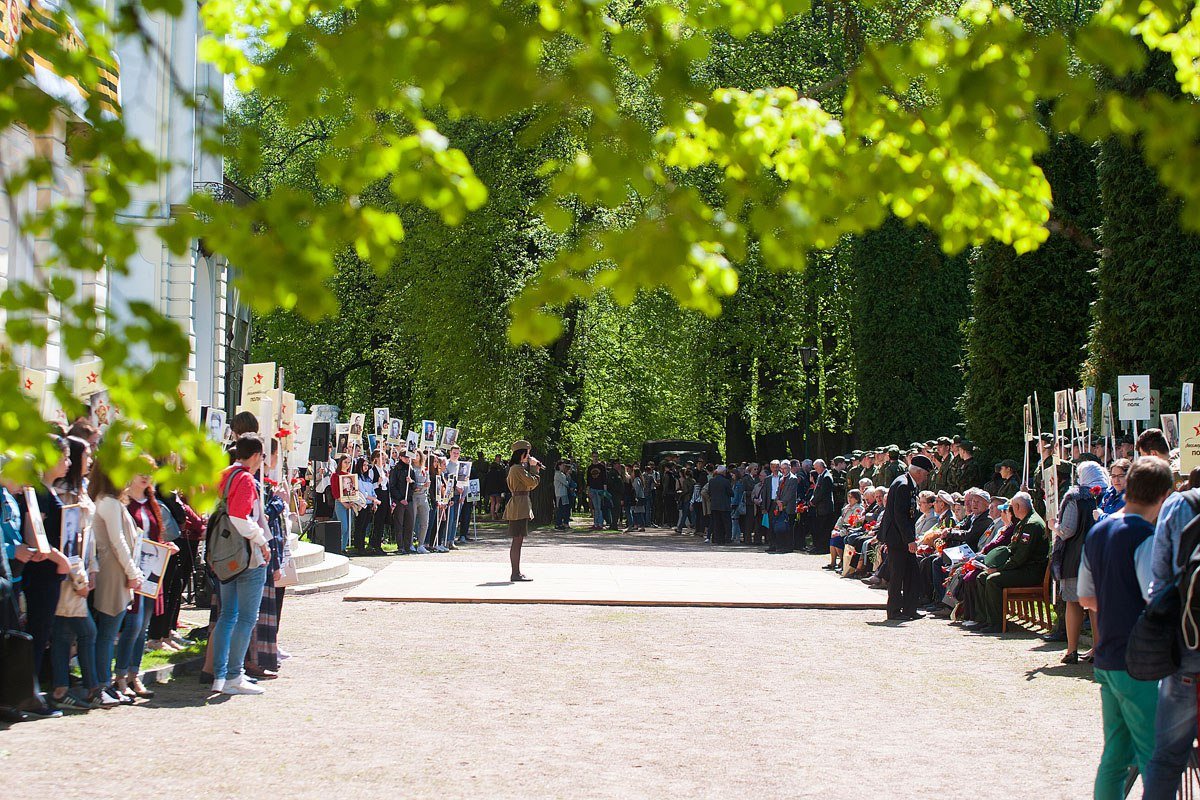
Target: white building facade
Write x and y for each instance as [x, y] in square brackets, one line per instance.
[166, 97]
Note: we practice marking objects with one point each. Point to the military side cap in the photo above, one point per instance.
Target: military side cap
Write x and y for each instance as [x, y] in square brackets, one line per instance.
[1010, 463]
[1047, 438]
[915, 446]
[857, 454]
[944, 440]
[894, 451]
[957, 439]
[968, 445]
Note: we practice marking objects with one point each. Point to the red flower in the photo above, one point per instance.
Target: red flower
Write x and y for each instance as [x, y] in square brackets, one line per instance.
[1097, 491]
[282, 433]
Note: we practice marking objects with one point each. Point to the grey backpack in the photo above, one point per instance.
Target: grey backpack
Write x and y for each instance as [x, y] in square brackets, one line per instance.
[226, 551]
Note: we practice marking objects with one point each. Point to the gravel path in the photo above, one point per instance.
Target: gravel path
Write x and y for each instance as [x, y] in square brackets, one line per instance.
[449, 701]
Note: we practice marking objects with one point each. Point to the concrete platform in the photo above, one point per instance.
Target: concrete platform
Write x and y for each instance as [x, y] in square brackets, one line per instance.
[612, 585]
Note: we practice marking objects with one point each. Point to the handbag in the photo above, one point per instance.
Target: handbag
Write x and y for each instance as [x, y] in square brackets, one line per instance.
[781, 524]
[17, 686]
[1152, 652]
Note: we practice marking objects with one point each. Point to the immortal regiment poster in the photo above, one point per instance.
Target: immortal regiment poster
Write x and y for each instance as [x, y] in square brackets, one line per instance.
[342, 444]
[1189, 441]
[412, 442]
[1106, 418]
[358, 423]
[1155, 409]
[286, 402]
[1185, 401]
[301, 438]
[393, 430]
[1050, 487]
[1133, 398]
[382, 416]
[1080, 411]
[258, 381]
[428, 433]
[1062, 410]
[214, 423]
[152, 560]
[449, 437]
[1091, 405]
[1029, 436]
[33, 386]
[189, 396]
[1170, 429]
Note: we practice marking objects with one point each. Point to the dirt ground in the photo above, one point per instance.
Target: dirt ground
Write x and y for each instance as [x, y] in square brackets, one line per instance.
[464, 701]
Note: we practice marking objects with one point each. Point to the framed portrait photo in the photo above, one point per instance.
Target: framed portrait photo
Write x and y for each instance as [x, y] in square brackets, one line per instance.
[449, 438]
[152, 561]
[381, 420]
[428, 433]
[357, 422]
[348, 484]
[71, 535]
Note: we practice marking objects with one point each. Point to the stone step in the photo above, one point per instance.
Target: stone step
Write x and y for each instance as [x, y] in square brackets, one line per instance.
[307, 554]
[330, 568]
[353, 577]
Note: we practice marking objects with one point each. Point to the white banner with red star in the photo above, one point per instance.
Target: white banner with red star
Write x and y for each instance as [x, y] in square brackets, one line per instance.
[1189, 441]
[258, 383]
[1133, 398]
[87, 379]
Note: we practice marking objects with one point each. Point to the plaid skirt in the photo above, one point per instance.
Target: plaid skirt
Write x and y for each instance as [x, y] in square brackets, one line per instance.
[264, 649]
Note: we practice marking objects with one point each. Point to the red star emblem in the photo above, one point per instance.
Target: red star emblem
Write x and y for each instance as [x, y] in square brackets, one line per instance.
[1133, 387]
[1196, 428]
[92, 376]
[258, 379]
[28, 384]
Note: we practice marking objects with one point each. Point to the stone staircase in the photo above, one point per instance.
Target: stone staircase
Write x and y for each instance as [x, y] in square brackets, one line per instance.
[319, 571]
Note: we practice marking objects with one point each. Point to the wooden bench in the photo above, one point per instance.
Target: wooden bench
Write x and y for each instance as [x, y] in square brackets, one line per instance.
[1028, 604]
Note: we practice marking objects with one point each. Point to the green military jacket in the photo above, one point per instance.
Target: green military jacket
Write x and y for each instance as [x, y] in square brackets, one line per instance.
[891, 471]
[1007, 488]
[853, 475]
[969, 474]
[1030, 544]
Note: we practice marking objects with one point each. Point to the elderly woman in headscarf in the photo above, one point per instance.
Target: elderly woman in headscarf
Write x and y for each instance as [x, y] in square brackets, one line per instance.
[522, 479]
[1075, 518]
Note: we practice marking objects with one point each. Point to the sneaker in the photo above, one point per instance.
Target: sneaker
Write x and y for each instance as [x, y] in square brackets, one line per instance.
[422, 550]
[42, 711]
[239, 686]
[69, 702]
[109, 693]
[218, 685]
[441, 549]
[284, 655]
[451, 546]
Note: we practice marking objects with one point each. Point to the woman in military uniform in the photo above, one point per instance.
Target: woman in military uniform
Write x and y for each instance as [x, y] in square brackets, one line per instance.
[522, 479]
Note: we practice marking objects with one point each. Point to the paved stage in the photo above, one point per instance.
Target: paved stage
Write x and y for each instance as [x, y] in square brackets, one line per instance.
[445, 581]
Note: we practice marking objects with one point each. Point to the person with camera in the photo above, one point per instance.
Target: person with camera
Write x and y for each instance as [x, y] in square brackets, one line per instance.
[523, 478]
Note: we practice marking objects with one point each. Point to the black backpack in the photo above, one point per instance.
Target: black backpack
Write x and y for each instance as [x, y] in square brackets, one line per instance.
[1154, 650]
[1188, 566]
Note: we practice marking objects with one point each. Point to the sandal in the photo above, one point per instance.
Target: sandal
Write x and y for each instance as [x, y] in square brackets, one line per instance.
[138, 688]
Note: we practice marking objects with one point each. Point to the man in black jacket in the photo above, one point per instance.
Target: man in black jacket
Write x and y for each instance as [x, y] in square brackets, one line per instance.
[403, 511]
[900, 536]
[720, 497]
[821, 507]
[782, 536]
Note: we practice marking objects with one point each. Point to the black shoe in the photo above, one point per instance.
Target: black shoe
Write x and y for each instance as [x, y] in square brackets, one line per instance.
[1055, 636]
[829, 566]
[11, 715]
[986, 629]
[520, 579]
[206, 678]
[914, 614]
[1070, 658]
[897, 617]
[43, 711]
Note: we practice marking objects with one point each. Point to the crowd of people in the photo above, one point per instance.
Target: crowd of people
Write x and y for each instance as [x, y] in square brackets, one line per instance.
[86, 595]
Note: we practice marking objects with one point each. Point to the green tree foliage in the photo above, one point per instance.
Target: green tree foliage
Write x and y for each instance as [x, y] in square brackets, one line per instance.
[1147, 277]
[910, 301]
[931, 121]
[1030, 313]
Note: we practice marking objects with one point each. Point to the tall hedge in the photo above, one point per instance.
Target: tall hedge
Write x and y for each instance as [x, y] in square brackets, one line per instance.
[1149, 274]
[1030, 313]
[909, 304]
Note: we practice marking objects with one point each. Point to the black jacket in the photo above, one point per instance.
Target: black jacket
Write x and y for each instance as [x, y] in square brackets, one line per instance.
[822, 496]
[900, 516]
[968, 532]
[720, 493]
[398, 487]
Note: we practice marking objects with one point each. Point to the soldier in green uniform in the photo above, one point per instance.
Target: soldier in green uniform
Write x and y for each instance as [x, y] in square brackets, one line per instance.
[970, 473]
[891, 465]
[872, 469]
[856, 470]
[1028, 552]
[941, 460]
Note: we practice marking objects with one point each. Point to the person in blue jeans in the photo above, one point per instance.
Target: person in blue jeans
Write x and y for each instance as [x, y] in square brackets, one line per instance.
[1114, 578]
[240, 597]
[1175, 723]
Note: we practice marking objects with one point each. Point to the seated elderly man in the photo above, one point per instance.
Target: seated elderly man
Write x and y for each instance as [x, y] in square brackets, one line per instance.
[1025, 565]
[934, 567]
